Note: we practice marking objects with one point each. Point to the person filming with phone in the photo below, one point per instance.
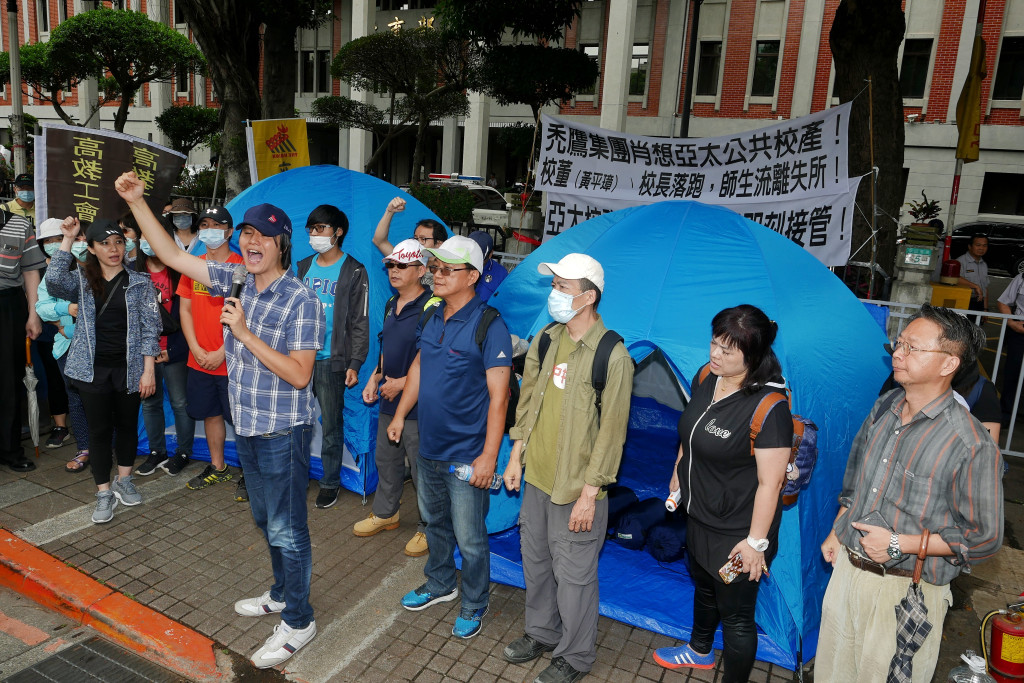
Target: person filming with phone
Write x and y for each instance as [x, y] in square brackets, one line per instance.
[920, 461]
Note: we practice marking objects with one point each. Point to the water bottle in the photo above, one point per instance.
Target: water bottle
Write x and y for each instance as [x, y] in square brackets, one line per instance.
[464, 472]
[972, 672]
[673, 500]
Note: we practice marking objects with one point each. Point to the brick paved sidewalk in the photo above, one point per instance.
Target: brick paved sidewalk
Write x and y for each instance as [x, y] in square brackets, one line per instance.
[192, 554]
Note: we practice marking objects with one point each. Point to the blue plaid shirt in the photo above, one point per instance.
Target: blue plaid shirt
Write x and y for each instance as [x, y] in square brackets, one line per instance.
[288, 317]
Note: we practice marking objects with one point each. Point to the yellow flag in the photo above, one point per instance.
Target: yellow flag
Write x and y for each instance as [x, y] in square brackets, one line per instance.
[968, 107]
[278, 145]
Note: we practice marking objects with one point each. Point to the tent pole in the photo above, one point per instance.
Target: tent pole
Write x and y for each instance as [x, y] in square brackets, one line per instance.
[874, 177]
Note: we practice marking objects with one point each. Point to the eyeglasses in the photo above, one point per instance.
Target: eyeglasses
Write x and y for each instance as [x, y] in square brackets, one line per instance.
[394, 264]
[444, 270]
[906, 348]
[423, 241]
[319, 227]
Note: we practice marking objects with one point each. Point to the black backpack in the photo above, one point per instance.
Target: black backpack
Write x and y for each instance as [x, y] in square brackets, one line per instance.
[599, 371]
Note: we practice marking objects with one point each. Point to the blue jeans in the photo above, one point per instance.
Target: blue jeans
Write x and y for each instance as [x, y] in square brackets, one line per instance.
[455, 512]
[276, 470]
[175, 377]
[329, 389]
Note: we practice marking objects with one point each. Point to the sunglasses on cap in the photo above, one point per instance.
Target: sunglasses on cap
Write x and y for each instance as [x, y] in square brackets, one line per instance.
[401, 266]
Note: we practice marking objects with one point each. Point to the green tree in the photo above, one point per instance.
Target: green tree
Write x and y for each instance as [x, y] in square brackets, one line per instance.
[129, 46]
[231, 35]
[424, 71]
[188, 126]
[865, 40]
[47, 81]
[535, 75]
[486, 21]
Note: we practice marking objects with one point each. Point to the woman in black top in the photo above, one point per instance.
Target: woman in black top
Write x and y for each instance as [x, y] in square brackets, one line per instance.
[732, 497]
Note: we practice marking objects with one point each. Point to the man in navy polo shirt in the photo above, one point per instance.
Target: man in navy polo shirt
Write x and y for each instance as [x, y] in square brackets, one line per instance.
[462, 390]
[403, 312]
[275, 328]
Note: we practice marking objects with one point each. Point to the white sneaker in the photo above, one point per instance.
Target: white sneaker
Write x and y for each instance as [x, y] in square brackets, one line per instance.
[282, 644]
[257, 607]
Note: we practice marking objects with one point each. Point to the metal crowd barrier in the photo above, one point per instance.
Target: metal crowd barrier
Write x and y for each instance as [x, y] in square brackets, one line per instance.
[901, 313]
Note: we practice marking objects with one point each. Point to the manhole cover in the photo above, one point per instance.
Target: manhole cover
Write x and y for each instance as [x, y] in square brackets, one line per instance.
[94, 660]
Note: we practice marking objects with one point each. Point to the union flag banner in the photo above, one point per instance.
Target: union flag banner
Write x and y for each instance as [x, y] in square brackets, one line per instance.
[276, 145]
[76, 168]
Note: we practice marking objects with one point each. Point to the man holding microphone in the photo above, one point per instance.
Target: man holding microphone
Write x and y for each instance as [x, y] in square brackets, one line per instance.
[275, 325]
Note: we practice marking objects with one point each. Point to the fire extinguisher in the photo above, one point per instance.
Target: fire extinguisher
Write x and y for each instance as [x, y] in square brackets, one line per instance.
[1006, 660]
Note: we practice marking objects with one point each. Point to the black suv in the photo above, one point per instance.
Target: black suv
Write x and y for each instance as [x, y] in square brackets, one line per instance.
[1005, 243]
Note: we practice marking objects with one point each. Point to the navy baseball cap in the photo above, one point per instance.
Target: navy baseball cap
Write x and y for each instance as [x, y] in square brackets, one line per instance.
[23, 180]
[268, 219]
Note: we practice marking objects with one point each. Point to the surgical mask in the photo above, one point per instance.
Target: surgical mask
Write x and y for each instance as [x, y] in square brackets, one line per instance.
[182, 221]
[560, 306]
[321, 244]
[146, 249]
[26, 195]
[129, 245]
[80, 249]
[212, 237]
[51, 248]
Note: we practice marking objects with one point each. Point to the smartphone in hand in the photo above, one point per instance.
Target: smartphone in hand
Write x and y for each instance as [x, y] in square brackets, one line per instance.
[874, 518]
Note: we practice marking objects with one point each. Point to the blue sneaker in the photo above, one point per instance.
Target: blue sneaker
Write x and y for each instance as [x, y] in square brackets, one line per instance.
[421, 598]
[683, 657]
[469, 622]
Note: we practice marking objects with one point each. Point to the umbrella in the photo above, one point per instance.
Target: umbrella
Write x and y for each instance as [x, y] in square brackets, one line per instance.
[30, 390]
[912, 625]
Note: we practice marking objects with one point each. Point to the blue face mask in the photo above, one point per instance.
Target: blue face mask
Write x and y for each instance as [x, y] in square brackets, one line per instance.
[182, 221]
[212, 237]
[80, 250]
[51, 248]
[146, 249]
[129, 245]
[26, 196]
[560, 306]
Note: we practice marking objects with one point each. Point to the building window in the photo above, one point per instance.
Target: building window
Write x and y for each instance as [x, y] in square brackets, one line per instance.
[307, 70]
[708, 67]
[1009, 83]
[62, 11]
[594, 52]
[323, 71]
[638, 69]
[182, 81]
[766, 69]
[1002, 193]
[917, 57]
[43, 16]
[179, 15]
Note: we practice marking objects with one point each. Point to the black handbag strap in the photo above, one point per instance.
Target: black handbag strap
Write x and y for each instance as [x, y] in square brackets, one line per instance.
[114, 284]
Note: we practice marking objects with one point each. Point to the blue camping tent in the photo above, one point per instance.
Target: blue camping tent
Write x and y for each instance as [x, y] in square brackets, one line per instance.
[363, 198]
[669, 267]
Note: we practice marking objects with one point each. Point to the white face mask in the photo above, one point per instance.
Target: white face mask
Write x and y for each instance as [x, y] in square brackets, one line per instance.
[212, 237]
[146, 249]
[560, 306]
[321, 245]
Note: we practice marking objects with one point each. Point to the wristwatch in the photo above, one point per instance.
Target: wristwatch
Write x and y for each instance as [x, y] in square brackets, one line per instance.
[894, 546]
[758, 544]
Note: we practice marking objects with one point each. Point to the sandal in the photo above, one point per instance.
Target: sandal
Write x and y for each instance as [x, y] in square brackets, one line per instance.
[78, 463]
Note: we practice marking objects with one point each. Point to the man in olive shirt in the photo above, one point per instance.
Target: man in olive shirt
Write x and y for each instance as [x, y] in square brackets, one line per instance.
[574, 453]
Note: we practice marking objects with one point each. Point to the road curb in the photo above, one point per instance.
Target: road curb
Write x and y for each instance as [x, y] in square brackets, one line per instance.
[48, 581]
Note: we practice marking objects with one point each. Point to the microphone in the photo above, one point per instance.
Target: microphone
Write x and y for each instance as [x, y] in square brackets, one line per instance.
[238, 280]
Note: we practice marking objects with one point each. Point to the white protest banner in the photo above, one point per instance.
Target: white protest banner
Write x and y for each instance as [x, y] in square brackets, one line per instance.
[800, 157]
[822, 225]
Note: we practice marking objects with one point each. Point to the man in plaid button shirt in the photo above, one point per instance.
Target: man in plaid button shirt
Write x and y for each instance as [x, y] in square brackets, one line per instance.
[920, 461]
[274, 330]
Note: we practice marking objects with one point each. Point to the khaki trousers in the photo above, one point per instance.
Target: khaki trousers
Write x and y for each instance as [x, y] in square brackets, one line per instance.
[858, 626]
